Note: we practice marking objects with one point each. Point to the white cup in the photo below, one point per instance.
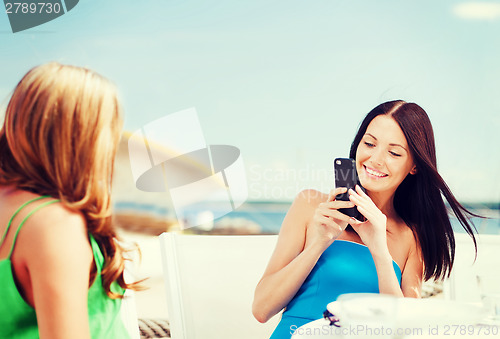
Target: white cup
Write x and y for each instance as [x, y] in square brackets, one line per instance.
[367, 315]
[489, 290]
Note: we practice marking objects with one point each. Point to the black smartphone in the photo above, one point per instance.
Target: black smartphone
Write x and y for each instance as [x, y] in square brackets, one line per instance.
[347, 176]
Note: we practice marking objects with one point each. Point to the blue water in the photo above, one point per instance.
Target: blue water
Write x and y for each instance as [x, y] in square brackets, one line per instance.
[269, 221]
[269, 216]
[155, 210]
[483, 226]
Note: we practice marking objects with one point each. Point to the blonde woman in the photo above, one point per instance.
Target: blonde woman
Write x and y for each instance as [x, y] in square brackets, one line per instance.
[61, 269]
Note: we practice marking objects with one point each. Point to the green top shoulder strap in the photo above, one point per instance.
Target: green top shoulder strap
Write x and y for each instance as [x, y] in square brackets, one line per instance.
[25, 218]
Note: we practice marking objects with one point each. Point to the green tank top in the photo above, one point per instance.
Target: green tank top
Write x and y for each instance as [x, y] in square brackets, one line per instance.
[18, 319]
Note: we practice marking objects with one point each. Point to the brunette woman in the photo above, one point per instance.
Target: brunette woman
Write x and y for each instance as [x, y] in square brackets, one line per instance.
[407, 236]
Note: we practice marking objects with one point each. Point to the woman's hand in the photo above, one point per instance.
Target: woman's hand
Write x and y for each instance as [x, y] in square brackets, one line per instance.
[372, 231]
[311, 224]
[327, 222]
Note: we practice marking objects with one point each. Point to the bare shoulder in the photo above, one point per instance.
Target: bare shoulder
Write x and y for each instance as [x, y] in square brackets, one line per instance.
[298, 215]
[410, 238]
[415, 248]
[55, 231]
[292, 234]
[412, 243]
[57, 218]
[310, 198]
[303, 207]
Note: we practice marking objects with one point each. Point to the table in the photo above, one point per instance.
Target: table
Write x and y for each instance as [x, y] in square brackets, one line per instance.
[414, 318]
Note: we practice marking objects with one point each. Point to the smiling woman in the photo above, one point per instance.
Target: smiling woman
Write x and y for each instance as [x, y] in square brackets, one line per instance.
[390, 148]
[407, 236]
[407, 146]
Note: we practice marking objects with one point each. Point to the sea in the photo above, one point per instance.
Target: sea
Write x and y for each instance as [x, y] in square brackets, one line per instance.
[269, 215]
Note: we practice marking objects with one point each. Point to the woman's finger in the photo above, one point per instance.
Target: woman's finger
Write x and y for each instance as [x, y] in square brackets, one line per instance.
[352, 192]
[333, 193]
[364, 207]
[366, 213]
[331, 196]
[341, 216]
[360, 191]
[360, 199]
[355, 199]
[325, 213]
[329, 212]
[336, 204]
[329, 223]
[353, 221]
[321, 219]
[342, 204]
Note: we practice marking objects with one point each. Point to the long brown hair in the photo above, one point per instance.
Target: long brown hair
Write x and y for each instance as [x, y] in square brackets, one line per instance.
[59, 138]
[418, 199]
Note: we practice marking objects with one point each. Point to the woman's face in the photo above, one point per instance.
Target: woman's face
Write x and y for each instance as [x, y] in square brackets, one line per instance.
[383, 158]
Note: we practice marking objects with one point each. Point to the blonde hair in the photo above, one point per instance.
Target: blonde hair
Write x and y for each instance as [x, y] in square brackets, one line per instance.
[59, 138]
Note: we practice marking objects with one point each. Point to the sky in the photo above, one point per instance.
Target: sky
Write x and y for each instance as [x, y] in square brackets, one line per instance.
[288, 82]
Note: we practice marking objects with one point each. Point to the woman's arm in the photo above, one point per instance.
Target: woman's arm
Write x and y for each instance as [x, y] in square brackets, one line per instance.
[58, 258]
[411, 277]
[310, 226]
[373, 233]
[411, 280]
[387, 280]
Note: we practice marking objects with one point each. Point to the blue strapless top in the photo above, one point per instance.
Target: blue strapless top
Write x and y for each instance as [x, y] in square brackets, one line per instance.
[344, 267]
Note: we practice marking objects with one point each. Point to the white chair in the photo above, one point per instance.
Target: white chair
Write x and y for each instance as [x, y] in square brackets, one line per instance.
[210, 282]
[128, 310]
[462, 284]
[129, 315]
